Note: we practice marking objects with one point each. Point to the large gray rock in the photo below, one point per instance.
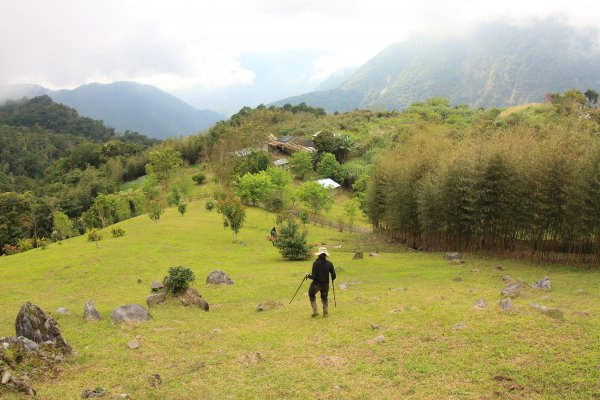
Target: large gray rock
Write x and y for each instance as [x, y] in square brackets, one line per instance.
[156, 298]
[191, 297]
[514, 289]
[157, 286]
[130, 313]
[90, 313]
[480, 305]
[33, 324]
[543, 284]
[27, 345]
[218, 277]
[506, 304]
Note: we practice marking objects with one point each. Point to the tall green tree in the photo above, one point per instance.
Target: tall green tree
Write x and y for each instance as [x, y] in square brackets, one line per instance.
[163, 163]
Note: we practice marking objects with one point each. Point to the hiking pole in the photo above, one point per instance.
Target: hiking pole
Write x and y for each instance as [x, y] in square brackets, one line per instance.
[333, 286]
[303, 279]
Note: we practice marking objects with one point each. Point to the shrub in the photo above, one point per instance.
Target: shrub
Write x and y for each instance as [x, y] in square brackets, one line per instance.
[210, 204]
[9, 249]
[42, 242]
[117, 232]
[178, 279]
[93, 235]
[182, 208]
[291, 242]
[199, 178]
[25, 244]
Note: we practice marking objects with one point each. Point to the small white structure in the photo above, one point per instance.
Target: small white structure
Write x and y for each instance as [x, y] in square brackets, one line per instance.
[282, 162]
[328, 183]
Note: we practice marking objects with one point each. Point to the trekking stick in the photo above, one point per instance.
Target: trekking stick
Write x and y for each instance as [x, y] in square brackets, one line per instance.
[333, 286]
[297, 290]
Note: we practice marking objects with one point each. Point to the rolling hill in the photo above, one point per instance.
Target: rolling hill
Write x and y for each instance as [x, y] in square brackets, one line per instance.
[496, 65]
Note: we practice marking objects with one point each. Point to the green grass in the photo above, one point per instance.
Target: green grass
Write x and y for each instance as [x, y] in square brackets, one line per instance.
[412, 296]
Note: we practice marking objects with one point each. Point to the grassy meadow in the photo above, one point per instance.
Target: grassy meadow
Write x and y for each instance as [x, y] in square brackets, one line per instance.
[434, 345]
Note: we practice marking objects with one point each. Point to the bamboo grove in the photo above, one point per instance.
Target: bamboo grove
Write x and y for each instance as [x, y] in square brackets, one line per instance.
[523, 185]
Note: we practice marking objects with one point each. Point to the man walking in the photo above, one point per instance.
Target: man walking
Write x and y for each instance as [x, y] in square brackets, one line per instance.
[320, 281]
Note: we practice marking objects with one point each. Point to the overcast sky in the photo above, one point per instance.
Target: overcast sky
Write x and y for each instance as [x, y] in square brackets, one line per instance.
[198, 43]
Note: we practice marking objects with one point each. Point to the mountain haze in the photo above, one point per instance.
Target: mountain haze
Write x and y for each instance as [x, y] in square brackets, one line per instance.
[497, 65]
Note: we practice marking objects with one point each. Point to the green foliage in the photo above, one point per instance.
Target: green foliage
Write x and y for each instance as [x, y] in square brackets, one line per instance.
[25, 244]
[301, 164]
[178, 279]
[93, 235]
[234, 213]
[174, 197]
[15, 218]
[329, 167]
[316, 197]
[338, 145]
[162, 163]
[255, 187]
[209, 205]
[155, 210]
[42, 243]
[292, 243]
[182, 208]
[199, 178]
[117, 232]
[350, 209]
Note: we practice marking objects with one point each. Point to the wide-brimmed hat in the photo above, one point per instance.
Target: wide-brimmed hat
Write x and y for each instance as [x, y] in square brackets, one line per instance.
[322, 250]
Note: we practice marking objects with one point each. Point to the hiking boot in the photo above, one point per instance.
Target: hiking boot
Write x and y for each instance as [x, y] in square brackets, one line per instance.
[313, 304]
[325, 310]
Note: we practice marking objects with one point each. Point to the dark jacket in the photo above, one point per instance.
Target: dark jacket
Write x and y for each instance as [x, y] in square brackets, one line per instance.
[320, 272]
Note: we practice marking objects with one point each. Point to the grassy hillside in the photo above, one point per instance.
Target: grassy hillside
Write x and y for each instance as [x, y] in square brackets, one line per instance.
[412, 296]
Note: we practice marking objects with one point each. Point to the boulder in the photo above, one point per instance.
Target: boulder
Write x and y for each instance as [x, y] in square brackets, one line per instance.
[63, 311]
[358, 255]
[549, 311]
[90, 313]
[373, 254]
[33, 324]
[155, 298]
[27, 345]
[191, 297]
[513, 290]
[506, 304]
[90, 393]
[543, 284]
[480, 305]
[130, 313]
[218, 277]
[157, 286]
[453, 256]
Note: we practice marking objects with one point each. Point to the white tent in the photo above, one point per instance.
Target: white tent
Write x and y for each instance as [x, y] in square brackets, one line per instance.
[328, 183]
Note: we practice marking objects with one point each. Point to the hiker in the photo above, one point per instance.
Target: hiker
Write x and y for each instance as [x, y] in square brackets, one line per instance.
[273, 235]
[320, 281]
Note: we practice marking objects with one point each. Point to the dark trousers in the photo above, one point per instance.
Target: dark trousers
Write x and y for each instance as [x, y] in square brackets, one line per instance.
[315, 288]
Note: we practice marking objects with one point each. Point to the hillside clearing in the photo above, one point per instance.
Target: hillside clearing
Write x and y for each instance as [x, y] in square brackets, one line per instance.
[434, 344]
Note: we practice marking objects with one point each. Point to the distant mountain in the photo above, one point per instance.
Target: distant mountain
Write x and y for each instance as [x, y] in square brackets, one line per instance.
[497, 65]
[126, 106]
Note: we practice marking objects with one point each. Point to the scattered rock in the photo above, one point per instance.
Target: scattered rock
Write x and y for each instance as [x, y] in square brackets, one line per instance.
[499, 267]
[269, 305]
[63, 311]
[457, 279]
[90, 313]
[545, 298]
[154, 380]
[139, 281]
[514, 289]
[583, 313]
[27, 345]
[157, 286]
[200, 364]
[377, 339]
[218, 277]
[480, 305]
[121, 396]
[251, 358]
[549, 311]
[343, 286]
[376, 326]
[155, 299]
[476, 270]
[5, 377]
[453, 256]
[459, 326]
[331, 361]
[133, 344]
[506, 304]
[507, 278]
[130, 313]
[404, 289]
[358, 255]
[89, 393]
[216, 331]
[33, 324]
[191, 297]
[373, 254]
[242, 243]
[543, 284]
[337, 246]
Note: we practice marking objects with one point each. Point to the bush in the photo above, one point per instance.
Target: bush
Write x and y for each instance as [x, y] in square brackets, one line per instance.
[117, 232]
[291, 242]
[182, 208]
[199, 178]
[42, 242]
[93, 235]
[210, 204]
[9, 249]
[178, 279]
[25, 244]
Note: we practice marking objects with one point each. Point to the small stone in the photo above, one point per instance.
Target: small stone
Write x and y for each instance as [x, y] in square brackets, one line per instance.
[218, 277]
[133, 344]
[451, 256]
[336, 387]
[243, 244]
[200, 364]
[343, 286]
[157, 286]
[480, 305]
[154, 380]
[583, 313]
[459, 326]
[499, 267]
[216, 331]
[90, 313]
[5, 377]
[358, 255]
[476, 270]
[89, 393]
[154, 299]
[191, 297]
[506, 304]
[373, 254]
[580, 291]
[252, 358]
[514, 289]
[375, 326]
[506, 278]
[28, 345]
[549, 311]
[268, 305]
[543, 284]
[139, 281]
[377, 339]
[63, 311]
[457, 279]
